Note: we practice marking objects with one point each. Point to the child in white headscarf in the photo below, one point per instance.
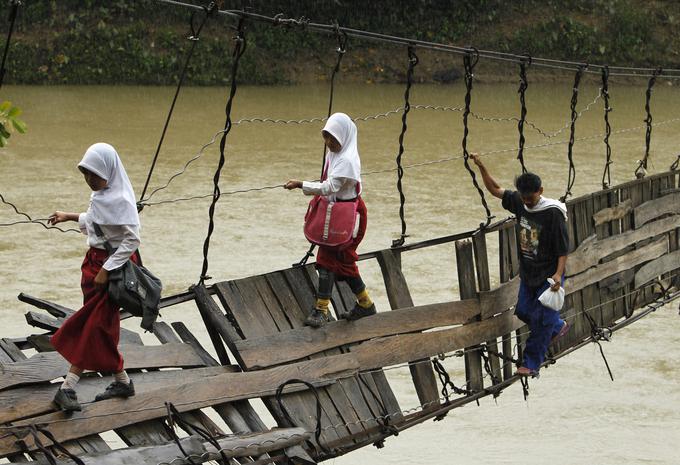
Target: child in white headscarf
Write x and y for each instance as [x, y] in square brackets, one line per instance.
[341, 182]
[89, 338]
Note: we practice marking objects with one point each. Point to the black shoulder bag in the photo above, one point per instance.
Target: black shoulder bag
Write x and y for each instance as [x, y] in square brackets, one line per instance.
[133, 288]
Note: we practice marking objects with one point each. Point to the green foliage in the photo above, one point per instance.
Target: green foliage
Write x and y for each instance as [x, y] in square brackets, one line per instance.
[10, 122]
[145, 42]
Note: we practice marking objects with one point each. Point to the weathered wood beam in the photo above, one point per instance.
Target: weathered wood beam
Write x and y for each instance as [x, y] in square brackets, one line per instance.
[215, 323]
[56, 310]
[51, 324]
[604, 270]
[668, 204]
[261, 352]
[612, 213]
[592, 250]
[394, 350]
[661, 265]
[500, 299]
[44, 367]
[468, 290]
[497, 306]
[399, 296]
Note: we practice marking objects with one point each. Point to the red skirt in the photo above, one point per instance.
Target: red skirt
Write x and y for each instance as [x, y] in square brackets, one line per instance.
[89, 338]
[343, 260]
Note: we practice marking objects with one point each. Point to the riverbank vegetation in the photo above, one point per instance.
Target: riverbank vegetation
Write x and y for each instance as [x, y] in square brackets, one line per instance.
[145, 41]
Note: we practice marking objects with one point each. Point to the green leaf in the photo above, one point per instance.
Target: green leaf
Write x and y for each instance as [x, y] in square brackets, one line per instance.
[3, 141]
[19, 125]
[14, 112]
[3, 132]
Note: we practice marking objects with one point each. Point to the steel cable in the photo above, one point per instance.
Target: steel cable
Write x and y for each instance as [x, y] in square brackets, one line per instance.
[239, 49]
[193, 38]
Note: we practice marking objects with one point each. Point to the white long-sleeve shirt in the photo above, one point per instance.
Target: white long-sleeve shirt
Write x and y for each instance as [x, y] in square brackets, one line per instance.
[124, 238]
[332, 188]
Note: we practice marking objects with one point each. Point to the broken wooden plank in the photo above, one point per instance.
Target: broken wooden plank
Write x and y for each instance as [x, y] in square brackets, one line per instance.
[634, 258]
[612, 213]
[51, 324]
[115, 413]
[500, 299]
[44, 367]
[484, 285]
[265, 351]
[592, 249]
[655, 268]
[214, 321]
[668, 204]
[468, 290]
[56, 310]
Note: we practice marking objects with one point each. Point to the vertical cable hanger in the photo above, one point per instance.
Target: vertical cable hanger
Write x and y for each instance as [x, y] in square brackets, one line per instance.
[340, 52]
[12, 21]
[239, 49]
[412, 62]
[523, 84]
[209, 11]
[641, 169]
[571, 178]
[606, 176]
[470, 59]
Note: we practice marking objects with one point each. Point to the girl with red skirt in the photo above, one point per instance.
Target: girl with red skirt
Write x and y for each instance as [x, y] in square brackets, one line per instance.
[342, 183]
[89, 338]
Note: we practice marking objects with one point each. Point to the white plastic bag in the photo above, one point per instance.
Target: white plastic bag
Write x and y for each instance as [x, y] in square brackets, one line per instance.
[552, 299]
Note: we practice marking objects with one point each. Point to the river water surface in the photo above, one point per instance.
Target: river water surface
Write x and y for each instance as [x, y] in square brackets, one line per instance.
[574, 414]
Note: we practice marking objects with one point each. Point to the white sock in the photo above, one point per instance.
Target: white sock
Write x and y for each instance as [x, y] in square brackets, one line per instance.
[70, 381]
[122, 377]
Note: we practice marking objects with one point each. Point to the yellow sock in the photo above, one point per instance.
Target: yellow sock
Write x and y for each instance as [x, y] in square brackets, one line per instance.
[364, 299]
[322, 304]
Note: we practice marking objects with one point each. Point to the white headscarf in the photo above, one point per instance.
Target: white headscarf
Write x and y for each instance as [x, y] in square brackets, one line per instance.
[345, 163]
[115, 204]
[544, 203]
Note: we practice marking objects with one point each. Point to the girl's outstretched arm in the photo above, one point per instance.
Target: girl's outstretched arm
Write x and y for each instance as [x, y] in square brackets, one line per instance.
[60, 217]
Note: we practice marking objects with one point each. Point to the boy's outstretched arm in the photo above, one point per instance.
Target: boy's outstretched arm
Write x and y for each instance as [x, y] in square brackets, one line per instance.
[491, 185]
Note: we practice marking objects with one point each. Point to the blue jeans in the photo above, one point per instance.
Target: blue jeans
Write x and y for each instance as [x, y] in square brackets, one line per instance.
[543, 323]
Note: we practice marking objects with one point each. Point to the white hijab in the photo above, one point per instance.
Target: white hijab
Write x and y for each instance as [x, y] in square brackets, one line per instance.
[345, 163]
[115, 204]
[544, 203]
